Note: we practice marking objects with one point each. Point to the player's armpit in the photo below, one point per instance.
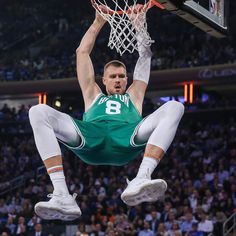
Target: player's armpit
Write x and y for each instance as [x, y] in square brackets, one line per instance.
[86, 78]
[137, 91]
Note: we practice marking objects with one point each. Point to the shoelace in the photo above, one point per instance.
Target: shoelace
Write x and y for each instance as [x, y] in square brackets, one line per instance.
[50, 195]
[146, 176]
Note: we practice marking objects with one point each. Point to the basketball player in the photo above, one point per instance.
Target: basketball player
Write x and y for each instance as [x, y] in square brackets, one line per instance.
[112, 131]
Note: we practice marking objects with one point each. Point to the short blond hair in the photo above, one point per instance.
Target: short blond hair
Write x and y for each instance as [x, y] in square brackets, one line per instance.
[115, 63]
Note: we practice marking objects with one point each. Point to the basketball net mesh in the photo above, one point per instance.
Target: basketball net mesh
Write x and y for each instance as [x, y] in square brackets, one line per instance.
[128, 29]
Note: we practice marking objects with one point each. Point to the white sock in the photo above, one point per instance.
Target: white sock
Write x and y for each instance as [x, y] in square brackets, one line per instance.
[58, 181]
[147, 166]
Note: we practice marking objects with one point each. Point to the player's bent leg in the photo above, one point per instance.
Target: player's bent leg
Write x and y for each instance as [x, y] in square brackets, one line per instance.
[158, 130]
[49, 124]
[59, 207]
[143, 190]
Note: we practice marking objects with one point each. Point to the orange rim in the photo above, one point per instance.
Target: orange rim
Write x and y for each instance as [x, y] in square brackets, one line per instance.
[150, 4]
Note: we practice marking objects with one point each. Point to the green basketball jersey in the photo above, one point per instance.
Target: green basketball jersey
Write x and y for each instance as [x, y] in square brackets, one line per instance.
[115, 107]
[107, 131]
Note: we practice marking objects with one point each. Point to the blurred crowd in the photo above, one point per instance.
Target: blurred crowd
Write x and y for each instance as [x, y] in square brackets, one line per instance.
[38, 41]
[200, 169]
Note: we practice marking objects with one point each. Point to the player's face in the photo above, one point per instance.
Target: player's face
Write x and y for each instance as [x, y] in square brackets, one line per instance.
[115, 80]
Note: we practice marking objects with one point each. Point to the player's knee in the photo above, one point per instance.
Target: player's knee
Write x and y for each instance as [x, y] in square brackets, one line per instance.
[175, 109]
[37, 114]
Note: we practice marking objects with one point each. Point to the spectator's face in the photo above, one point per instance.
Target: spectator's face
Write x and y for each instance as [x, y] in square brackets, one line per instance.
[171, 216]
[140, 222]
[4, 234]
[167, 206]
[127, 229]
[111, 233]
[21, 220]
[161, 227]
[154, 214]
[10, 220]
[208, 193]
[175, 226]
[194, 228]
[189, 217]
[110, 224]
[146, 225]
[98, 227]
[195, 193]
[38, 227]
[202, 216]
[115, 80]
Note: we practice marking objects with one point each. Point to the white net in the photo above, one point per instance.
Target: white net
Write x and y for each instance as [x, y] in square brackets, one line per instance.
[128, 27]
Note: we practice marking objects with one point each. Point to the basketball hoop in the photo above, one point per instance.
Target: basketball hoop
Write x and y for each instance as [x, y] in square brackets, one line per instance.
[128, 27]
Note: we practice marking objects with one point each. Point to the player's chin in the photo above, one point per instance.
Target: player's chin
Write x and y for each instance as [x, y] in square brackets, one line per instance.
[119, 91]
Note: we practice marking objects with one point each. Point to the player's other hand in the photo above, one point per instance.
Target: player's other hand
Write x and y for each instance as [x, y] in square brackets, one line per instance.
[98, 17]
[136, 15]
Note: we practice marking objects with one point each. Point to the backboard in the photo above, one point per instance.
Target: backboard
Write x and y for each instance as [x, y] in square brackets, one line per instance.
[209, 15]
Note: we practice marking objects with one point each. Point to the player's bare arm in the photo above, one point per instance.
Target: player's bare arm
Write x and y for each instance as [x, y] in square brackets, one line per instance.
[84, 66]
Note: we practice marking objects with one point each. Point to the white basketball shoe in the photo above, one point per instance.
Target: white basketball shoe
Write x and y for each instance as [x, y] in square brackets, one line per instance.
[143, 190]
[59, 207]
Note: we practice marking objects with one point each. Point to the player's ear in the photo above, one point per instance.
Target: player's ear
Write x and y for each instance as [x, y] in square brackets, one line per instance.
[104, 80]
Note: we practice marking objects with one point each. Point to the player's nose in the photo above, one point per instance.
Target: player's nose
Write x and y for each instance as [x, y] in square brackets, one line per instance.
[117, 79]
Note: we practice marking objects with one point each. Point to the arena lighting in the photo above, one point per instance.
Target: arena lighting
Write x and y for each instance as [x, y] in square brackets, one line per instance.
[185, 93]
[191, 93]
[57, 103]
[188, 92]
[42, 98]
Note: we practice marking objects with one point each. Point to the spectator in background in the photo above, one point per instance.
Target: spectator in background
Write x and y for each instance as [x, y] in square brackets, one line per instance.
[5, 234]
[154, 220]
[161, 231]
[194, 199]
[21, 227]
[218, 226]
[165, 212]
[38, 230]
[97, 231]
[110, 228]
[130, 230]
[194, 231]
[63, 25]
[3, 206]
[11, 225]
[146, 230]
[186, 225]
[81, 230]
[33, 221]
[171, 219]
[175, 230]
[205, 225]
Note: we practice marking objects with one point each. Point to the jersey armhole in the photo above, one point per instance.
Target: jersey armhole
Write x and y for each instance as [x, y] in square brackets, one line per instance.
[95, 99]
[134, 105]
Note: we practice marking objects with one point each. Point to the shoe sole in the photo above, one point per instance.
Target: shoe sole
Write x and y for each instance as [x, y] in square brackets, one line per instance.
[149, 192]
[55, 213]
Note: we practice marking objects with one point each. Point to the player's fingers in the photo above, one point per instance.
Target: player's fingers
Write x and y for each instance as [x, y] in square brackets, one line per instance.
[103, 9]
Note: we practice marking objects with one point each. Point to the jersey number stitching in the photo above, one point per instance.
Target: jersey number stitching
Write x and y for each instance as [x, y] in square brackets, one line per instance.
[113, 107]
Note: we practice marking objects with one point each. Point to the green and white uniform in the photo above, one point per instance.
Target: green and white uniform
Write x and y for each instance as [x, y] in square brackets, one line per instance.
[107, 131]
